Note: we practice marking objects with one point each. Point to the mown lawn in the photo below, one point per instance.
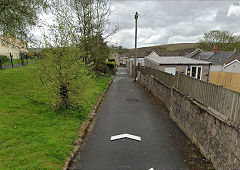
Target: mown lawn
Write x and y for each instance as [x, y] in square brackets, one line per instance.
[33, 135]
[15, 61]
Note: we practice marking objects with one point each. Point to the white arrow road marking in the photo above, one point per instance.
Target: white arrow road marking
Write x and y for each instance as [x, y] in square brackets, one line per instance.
[133, 137]
[118, 137]
[125, 136]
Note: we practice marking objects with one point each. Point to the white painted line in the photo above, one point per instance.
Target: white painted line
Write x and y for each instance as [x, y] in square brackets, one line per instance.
[125, 136]
[133, 137]
[118, 137]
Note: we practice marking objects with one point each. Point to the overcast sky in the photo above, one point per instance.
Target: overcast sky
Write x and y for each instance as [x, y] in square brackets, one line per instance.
[168, 21]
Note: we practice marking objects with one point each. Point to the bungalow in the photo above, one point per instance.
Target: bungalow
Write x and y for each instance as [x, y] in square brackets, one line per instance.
[140, 59]
[232, 64]
[198, 69]
[12, 45]
[216, 57]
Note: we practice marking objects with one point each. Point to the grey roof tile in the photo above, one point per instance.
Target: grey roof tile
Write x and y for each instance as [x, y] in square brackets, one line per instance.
[176, 60]
[217, 58]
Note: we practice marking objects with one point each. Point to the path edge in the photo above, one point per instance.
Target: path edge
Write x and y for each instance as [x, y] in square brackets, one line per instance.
[85, 128]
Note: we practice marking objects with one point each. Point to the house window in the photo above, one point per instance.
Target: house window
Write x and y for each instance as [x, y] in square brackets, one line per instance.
[194, 71]
[188, 71]
[199, 72]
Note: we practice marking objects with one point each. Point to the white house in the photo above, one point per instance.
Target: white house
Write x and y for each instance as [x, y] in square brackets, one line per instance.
[198, 69]
[232, 64]
[12, 45]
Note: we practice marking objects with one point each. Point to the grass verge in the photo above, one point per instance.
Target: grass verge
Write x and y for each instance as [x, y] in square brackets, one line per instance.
[33, 135]
[15, 61]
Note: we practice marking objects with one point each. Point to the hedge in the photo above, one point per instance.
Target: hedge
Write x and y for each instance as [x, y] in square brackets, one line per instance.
[111, 65]
[4, 59]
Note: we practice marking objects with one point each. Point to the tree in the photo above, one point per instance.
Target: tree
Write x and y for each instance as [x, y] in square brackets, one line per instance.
[16, 17]
[92, 16]
[61, 69]
[223, 39]
[99, 52]
[119, 49]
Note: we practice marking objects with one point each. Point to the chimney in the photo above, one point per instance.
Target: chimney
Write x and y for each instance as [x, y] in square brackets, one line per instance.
[215, 48]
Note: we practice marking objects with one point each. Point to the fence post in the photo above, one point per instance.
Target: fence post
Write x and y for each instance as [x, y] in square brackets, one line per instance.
[26, 59]
[22, 60]
[177, 80]
[11, 57]
[1, 64]
[171, 112]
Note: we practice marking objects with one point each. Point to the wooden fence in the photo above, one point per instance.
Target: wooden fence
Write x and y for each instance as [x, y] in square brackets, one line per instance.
[223, 100]
[227, 80]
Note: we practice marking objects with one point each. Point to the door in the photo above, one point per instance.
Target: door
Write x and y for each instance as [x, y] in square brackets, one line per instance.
[170, 70]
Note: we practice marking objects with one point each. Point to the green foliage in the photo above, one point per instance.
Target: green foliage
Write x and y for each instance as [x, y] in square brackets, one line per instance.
[4, 59]
[34, 135]
[64, 76]
[17, 16]
[62, 69]
[15, 61]
[111, 65]
[119, 49]
[92, 16]
[98, 52]
[22, 55]
[223, 39]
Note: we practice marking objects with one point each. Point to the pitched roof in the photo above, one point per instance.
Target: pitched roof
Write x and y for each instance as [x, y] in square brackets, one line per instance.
[177, 60]
[144, 52]
[175, 53]
[234, 56]
[14, 41]
[140, 53]
[217, 58]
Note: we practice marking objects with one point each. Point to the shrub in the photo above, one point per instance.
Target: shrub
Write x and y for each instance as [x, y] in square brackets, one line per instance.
[111, 65]
[65, 78]
[4, 59]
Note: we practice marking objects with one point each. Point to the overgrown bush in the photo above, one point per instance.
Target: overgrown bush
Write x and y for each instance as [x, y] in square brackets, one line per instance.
[4, 59]
[64, 76]
[111, 65]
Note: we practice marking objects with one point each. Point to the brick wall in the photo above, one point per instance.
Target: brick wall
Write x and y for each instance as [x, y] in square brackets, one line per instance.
[218, 140]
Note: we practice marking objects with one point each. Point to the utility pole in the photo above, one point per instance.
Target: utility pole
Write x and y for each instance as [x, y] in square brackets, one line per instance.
[135, 59]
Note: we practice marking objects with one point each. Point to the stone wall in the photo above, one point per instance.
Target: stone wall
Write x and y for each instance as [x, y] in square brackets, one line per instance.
[218, 140]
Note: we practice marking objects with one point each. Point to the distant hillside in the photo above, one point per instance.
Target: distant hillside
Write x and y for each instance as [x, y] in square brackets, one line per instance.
[175, 47]
[165, 50]
[170, 47]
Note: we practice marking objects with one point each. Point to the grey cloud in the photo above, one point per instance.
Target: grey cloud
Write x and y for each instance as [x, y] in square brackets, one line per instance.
[162, 22]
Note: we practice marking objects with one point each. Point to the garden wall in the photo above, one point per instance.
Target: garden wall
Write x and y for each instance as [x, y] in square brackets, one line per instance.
[217, 138]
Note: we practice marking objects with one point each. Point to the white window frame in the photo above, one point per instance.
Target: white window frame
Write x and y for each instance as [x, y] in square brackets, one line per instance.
[196, 71]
